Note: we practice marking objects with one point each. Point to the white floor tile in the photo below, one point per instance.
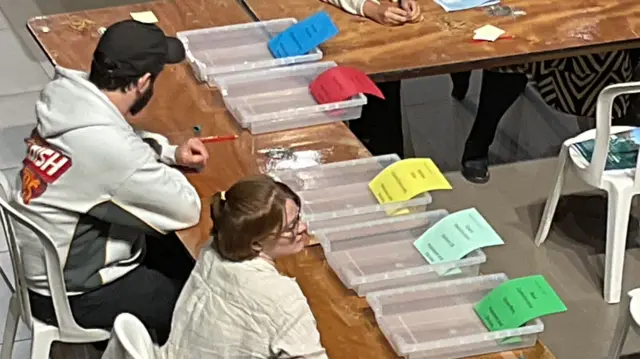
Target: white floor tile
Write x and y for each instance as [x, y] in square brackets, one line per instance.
[18, 109]
[18, 71]
[436, 88]
[4, 24]
[5, 294]
[18, 13]
[21, 349]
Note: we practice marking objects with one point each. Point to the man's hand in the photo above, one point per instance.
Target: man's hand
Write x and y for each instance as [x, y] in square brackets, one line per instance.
[413, 10]
[192, 154]
[386, 13]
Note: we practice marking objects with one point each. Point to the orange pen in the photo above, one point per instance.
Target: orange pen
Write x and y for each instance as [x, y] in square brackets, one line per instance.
[212, 139]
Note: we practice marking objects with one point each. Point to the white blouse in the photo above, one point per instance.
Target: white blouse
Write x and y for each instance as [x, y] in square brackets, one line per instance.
[241, 310]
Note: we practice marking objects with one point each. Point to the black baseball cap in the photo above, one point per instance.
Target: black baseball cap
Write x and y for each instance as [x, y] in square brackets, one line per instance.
[131, 48]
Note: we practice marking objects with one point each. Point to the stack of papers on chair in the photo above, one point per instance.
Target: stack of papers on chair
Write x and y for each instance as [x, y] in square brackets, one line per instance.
[623, 150]
[457, 5]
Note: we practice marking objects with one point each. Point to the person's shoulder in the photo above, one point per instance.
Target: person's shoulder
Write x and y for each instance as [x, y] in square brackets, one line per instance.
[281, 290]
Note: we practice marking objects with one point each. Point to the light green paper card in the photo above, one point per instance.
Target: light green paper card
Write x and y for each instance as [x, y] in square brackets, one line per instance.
[517, 301]
[455, 236]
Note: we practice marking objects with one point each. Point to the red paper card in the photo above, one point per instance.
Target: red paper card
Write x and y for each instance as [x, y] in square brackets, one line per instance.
[341, 83]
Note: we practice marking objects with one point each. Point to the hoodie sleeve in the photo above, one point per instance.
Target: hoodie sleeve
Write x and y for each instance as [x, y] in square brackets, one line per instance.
[351, 6]
[165, 152]
[144, 192]
[160, 196]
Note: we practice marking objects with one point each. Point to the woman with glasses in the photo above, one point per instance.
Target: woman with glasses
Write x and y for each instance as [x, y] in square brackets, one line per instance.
[236, 304]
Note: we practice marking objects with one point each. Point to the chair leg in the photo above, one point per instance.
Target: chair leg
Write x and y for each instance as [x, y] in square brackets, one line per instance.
[41, 345]
[618, 210]
[620, 335]
[10, 327]
[552, 201]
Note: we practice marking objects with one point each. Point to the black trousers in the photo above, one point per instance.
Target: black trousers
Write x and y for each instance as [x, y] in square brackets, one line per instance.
[380, 126]
[149, 292]
[497, 93]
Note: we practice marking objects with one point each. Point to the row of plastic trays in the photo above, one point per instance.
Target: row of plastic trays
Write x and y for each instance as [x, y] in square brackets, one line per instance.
[437, 320]
[264, 94]
[424, 310]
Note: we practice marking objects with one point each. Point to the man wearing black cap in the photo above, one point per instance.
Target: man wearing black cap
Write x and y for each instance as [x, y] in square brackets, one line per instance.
[105, 193]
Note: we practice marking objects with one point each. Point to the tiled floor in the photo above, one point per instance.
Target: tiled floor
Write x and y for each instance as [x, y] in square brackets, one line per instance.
[571, 258]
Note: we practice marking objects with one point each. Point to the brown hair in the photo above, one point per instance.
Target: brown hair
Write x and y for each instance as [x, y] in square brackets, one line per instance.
[250, 213]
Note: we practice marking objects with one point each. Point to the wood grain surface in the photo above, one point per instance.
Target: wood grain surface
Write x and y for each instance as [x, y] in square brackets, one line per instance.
[346, 324]
[442, 42]
[180, 102]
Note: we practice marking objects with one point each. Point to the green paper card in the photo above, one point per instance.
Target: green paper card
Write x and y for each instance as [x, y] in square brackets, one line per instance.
[455, 236]
[517, 301]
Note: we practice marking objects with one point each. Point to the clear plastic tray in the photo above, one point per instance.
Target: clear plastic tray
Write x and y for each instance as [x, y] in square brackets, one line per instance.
[278, 99]
[227, 49]
[380, 255]
[338, 193]
[437, 320]
[371, 233]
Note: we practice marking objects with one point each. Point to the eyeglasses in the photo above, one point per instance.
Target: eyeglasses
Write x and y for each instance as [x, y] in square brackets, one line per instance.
[292, 229]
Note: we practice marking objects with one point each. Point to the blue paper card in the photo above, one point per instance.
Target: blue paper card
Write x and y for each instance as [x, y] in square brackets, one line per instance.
[306, 35]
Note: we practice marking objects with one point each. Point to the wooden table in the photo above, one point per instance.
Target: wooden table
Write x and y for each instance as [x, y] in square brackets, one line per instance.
[442, 42]
[345, 322]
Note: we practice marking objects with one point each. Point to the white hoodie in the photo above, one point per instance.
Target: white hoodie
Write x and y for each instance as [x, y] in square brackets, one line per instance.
[96, 187]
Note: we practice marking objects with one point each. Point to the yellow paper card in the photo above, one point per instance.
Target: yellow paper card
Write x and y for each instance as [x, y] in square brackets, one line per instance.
[145, 16]
[406, 179]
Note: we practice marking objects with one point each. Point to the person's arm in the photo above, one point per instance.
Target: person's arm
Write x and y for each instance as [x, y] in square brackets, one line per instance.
[166, 153]
[298, 336]
[159, 196]
[356, 7]
[143, 192]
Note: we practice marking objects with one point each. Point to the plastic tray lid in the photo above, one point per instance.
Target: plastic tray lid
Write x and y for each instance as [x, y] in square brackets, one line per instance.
[315, 177]
[448, 288]
[354, 278]
[232, 38]
[304, 72]
[375, 228]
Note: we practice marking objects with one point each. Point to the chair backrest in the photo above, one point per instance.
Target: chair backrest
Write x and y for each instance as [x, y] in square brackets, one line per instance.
[604, 108]
[14, 251]
[9, 217]
[134, 337]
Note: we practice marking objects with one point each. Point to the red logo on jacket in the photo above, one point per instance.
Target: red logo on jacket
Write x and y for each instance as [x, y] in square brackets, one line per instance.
[43, 165]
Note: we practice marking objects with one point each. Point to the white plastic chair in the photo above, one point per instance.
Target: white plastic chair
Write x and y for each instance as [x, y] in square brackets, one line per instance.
[629, 318]
[43, 335]
[620, 185]
[131, 340]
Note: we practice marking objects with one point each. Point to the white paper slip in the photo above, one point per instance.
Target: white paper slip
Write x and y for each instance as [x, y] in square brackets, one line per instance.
[145, 16]
[488, 33]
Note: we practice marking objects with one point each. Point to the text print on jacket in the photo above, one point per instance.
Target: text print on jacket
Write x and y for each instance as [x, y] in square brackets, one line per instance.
[96, 186]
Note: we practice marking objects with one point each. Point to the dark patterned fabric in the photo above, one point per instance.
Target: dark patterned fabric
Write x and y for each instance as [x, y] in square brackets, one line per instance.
[572, 85]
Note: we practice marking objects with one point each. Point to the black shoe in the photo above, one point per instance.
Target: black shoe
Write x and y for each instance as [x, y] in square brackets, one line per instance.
[476, 171]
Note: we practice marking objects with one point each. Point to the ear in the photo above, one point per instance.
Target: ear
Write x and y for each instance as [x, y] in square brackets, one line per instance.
[144, 82]
[256, 246]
